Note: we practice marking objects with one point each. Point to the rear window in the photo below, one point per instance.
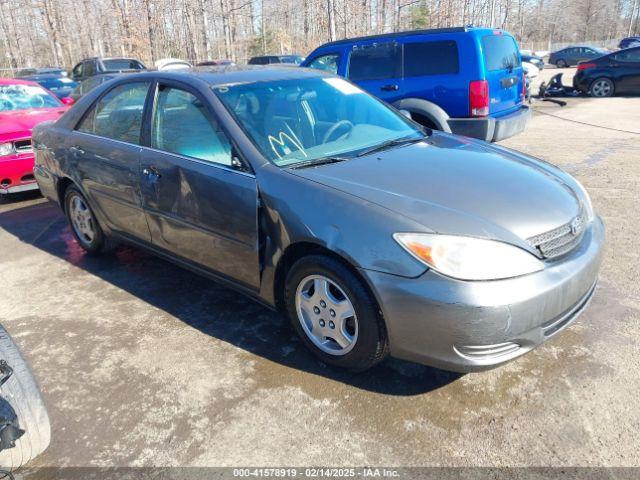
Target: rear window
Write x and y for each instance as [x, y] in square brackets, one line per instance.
[430, 58]
[500, 52]
[375, 62]
[122, 64]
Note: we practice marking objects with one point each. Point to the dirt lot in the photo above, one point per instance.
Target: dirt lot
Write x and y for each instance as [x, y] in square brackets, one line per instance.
[144, 364]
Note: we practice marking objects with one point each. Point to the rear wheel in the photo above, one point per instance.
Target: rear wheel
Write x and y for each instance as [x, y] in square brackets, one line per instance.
[334, 314]
[84, 225]
[602, 87]
[562, 64]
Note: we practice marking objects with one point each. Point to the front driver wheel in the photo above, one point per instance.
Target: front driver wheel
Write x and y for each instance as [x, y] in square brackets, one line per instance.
[84, 225]
[334, 314]
[561, 64]
[602, 87]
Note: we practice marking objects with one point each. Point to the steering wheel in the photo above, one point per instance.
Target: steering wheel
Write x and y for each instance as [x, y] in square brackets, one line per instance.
[334, 128]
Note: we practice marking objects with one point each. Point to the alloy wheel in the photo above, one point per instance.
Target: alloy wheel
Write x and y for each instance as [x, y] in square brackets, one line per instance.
[327, 315]
[601, 88]
[82, 220]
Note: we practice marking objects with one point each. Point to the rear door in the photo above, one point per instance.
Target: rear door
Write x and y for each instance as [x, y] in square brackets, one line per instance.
[199, 206]
[503, 72]
[626, 67]
[105, 147]
[377, 68]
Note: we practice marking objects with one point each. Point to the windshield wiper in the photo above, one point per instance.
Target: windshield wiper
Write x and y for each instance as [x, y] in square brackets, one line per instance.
[390, 144]
[318, 161]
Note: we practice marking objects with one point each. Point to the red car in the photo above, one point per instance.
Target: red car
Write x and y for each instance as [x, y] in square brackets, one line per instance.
[23, 105]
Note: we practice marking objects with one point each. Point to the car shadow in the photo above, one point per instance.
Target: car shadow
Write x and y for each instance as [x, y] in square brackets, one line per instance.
[211, 308]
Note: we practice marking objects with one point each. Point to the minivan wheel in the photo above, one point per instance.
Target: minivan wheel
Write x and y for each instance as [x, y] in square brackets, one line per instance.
[334, 314]
[602, 87]
[561, 64]
[84, 225]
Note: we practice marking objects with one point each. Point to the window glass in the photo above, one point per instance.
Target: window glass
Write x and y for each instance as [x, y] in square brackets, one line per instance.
[430, 58]
[299, 120]
[118, 115]
[23, 97]
[500, 52]
[182, 125]
[375, 62]
[328, 63]
[628, 56]
[116, 64]
[89, 68]
[77, 71]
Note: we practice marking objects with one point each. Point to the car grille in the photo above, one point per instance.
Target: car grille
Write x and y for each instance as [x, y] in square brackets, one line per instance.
[561, 240]
[23, 146]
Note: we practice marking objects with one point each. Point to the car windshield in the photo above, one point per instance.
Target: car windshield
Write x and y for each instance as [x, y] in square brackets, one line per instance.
[299, 121]
[22, 97]
[116, 64]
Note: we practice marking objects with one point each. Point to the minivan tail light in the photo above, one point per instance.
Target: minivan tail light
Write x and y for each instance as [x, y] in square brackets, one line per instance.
[584, 66]
[479, 98]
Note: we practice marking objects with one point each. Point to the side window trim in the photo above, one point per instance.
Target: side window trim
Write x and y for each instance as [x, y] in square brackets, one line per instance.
[92, 107]
[150, 111]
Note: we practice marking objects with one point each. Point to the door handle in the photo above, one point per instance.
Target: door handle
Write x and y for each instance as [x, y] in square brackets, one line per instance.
[390, 88]
[76, 150]
[151, 173]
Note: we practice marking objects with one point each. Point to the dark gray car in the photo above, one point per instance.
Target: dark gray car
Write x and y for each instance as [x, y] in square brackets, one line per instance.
[570, 56]
[297, 188]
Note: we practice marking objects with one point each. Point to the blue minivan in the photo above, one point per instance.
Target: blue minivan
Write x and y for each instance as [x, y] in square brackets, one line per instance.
[465, 80]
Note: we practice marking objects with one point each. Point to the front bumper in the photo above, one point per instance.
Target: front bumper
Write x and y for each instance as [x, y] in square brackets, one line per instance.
[16, 174]
[470, 326]
[492, 129]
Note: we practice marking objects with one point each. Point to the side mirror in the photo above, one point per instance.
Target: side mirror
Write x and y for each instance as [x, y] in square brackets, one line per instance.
[68, 100]
[406, 113]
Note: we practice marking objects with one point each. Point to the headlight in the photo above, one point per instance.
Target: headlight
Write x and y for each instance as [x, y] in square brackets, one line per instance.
[6, 149]
[468, 258]
[586, 200]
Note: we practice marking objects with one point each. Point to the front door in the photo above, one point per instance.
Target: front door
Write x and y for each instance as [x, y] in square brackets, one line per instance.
[626, 68]
[105, 147]
[377, 68]
[199, 207]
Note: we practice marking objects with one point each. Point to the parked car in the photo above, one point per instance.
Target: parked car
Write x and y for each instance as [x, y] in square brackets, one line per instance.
[270, 59]
[62, 87]
[216, 63]
[95, 66]
[23, 104]
[61, 72]
[463, 80]
[629, 42]
[172, 64]
[90, 83]
[537, 62]
[570, 56]
[296, 187]
[618, 72]
[25, 431]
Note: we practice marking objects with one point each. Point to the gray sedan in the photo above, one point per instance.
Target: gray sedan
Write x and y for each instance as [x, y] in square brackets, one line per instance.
[373, 235]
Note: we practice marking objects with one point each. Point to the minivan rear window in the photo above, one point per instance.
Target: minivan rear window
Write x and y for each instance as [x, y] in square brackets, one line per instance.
[375, 62]
[500, 52]
[430, 58]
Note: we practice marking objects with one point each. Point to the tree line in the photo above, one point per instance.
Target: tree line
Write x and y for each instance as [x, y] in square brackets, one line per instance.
[62, 32]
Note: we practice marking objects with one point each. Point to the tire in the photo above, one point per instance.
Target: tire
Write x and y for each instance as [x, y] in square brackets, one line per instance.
[98, 242]
[22, 407]
[602, 87]
[369, 345]
[561, 64]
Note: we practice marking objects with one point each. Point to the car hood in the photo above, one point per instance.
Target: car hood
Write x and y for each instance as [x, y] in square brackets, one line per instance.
[459, 186]
[19, 123]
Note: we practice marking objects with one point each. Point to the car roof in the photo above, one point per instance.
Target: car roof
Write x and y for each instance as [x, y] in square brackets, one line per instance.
[16, 81]
[232, 74]
[409, 33]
